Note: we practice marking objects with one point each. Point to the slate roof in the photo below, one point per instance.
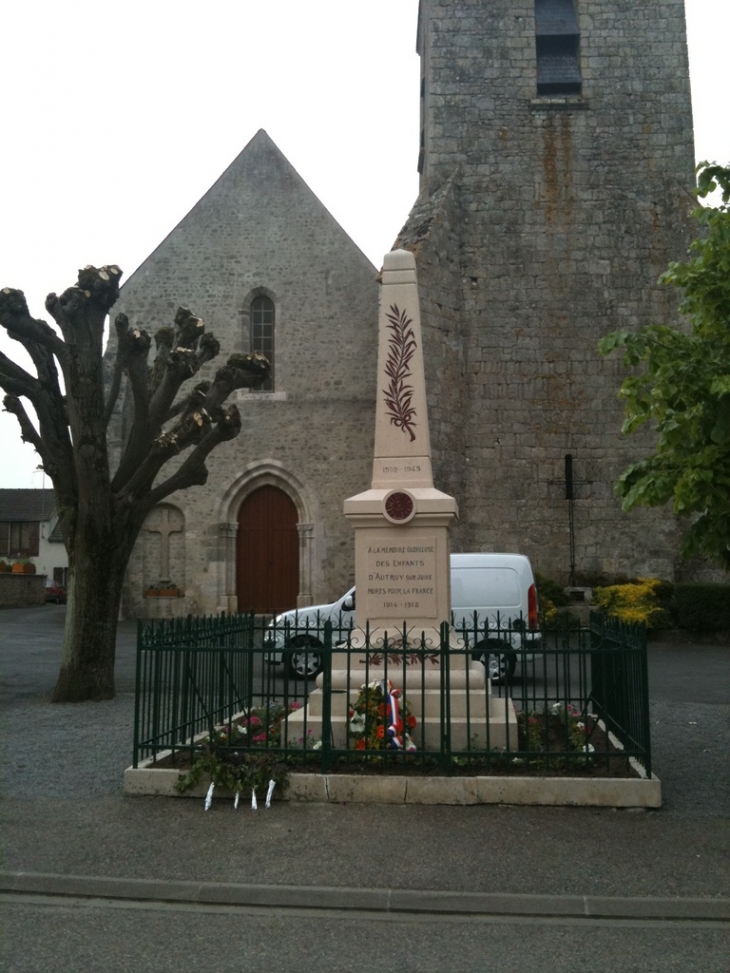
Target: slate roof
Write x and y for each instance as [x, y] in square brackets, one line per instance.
[28, 506]
[423, 215]
[56, 535]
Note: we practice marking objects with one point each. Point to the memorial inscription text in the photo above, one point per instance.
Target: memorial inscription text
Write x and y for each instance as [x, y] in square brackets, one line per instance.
[402, 577]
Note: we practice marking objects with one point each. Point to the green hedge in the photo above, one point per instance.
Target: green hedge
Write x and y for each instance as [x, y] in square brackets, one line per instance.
[702, 607]
[661, 604]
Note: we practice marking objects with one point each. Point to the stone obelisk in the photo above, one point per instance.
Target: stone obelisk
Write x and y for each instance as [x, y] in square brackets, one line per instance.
[402, 522]
[402, 569]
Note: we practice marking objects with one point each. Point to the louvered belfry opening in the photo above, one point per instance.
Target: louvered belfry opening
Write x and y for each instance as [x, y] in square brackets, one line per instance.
[557, 42]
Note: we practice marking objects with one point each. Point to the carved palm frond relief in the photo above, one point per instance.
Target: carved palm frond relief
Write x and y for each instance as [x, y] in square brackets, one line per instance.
[401, 348]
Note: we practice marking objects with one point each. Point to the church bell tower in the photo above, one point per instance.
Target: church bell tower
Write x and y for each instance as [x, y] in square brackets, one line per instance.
[556, 166]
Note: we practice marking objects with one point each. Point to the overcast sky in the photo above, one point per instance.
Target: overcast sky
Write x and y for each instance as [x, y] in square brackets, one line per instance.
[117, 118]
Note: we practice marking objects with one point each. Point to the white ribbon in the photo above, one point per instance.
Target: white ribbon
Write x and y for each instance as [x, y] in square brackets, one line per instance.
[209, 798]
[272, 785]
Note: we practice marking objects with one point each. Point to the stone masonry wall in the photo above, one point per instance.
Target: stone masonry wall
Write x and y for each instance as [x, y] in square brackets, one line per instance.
[261, 230]
[570, 209]
[22, 590]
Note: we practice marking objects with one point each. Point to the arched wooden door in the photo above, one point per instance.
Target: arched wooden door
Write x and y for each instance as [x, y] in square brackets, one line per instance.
[267, 556]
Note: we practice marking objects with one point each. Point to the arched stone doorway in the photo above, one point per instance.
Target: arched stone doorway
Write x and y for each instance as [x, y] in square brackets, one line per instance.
[267, 552]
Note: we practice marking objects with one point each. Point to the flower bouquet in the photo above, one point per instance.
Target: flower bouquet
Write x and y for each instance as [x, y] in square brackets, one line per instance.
[381, 719]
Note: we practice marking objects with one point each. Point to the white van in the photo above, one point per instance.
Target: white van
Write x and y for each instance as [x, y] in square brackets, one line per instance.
[498, 589]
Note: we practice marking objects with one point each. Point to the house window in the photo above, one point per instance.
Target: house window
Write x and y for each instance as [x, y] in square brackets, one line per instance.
[262, 335]
[557, 43]
[60, 576]
[18, 539]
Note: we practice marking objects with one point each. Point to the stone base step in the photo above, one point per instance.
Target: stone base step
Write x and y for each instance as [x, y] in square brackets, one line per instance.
[462, 673]
[424, 703]
[488, 725]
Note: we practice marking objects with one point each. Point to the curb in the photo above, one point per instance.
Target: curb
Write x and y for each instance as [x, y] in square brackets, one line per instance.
[368, 900]
[351, 788]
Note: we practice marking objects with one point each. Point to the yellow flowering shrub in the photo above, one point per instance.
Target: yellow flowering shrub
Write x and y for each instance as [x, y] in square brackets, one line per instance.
[636, 602]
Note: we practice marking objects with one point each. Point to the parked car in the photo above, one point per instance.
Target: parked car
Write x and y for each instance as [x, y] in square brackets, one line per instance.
[498, 589]
[55, 592]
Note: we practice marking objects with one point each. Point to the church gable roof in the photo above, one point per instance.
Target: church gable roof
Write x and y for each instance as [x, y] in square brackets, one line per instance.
[259, 195]
[260, 231]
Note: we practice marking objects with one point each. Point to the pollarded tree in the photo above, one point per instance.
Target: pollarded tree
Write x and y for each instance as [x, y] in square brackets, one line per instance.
[100, 511]
[681, 383]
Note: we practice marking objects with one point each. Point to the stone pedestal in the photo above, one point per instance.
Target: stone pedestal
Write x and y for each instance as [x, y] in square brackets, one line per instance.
[398, 569]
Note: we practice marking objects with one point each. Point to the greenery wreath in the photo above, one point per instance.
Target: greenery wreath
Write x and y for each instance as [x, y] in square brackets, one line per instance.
[381, 719]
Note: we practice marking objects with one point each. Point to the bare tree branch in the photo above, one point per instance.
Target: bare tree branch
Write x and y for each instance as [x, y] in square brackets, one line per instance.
[138, 483]
[127, 351]
[28, 431]
[181, 362]
[193, 471]
[164, 343]
[52, 443]
[16, 381]
[133, 346]
[80, 312]
[41, 343]
[239, 372]
[192, 429]
[195, 400]
[15, 318]
[114, 387]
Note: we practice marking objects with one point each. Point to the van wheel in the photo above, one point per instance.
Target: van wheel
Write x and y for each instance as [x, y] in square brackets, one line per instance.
[305, 662]
[499, 659]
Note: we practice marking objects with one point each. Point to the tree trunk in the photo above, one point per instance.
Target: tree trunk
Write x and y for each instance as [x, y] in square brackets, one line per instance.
[96, 573]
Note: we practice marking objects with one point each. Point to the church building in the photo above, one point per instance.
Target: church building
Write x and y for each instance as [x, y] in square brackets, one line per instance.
[556, 167]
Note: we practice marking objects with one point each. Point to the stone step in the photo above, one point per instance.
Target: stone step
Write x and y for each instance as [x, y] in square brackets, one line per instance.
[499, 715]
[424, 703]
[416, 677]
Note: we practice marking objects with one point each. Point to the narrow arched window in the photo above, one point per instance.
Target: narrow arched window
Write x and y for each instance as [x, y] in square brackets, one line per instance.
[262, 335]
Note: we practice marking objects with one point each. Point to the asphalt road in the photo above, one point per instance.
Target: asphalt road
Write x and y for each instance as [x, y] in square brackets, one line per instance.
[62, 814]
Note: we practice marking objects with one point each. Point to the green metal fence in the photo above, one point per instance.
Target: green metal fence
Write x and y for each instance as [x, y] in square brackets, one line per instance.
[576, 700]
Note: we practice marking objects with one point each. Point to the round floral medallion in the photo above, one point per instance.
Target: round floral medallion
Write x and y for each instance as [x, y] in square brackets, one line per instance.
[399, 506]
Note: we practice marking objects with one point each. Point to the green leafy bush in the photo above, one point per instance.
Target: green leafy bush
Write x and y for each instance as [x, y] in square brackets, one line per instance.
[225, 755]
[702, 607]
[551, 597]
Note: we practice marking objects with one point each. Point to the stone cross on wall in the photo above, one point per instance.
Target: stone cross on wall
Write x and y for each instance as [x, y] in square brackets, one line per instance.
[164, 527]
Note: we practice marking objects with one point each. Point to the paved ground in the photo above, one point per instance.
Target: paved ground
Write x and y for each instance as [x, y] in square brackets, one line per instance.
[550, 889]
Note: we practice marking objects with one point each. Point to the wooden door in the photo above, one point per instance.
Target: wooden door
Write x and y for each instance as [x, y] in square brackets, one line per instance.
[267, 576]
